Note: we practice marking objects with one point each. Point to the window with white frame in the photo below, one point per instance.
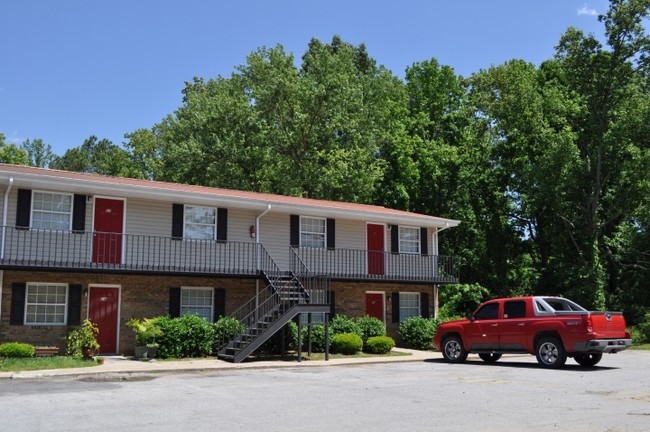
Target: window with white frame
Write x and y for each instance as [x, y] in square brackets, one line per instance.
[409, 305]
[46, 304]
[200, 223]
[51, 211]
[312, 232]
[409, 240]
[197, 301]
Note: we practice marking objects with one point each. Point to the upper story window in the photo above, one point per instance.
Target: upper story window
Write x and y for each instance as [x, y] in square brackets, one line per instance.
[409, 240]
[46, 304]
[200, 223]
[313, 232]
[51, 211]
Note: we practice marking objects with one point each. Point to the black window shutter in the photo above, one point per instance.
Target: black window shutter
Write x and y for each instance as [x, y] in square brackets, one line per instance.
[332, 304]
[74, 305]
[23, 212]
[394, 239]
[294, 228]
[331, 231]
[79, 213]
[395, 301]
[222, 224]
[219, 304]
[17, 316]
[178, 216]
[424, 244]
[174, 302]
[424, 305]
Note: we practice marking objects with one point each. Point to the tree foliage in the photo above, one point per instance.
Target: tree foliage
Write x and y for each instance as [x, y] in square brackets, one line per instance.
[545, 165]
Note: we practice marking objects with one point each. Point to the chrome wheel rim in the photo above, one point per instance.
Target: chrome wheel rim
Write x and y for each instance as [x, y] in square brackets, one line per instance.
[548, 353]
[453, 349]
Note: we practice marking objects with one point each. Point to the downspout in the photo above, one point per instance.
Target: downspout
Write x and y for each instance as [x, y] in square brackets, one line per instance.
[4, 232]
[436, 287]
[4, 217]
[257, 241]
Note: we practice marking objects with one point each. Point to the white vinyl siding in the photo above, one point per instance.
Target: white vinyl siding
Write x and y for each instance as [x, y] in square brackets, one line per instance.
[46, 304]
[313, 232]
[197, 301]
[409, 240]
[409, 305]
[51, 211]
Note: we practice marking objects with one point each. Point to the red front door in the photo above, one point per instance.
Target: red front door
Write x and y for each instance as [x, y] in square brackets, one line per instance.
[375, 249]
[109, 222]
[375, 305]
[102, 310]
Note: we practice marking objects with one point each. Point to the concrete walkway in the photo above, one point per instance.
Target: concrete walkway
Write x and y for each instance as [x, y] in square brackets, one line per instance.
[118, 365]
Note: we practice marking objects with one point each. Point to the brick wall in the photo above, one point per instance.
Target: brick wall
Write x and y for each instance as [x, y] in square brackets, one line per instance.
[141, 296]
[148, 296]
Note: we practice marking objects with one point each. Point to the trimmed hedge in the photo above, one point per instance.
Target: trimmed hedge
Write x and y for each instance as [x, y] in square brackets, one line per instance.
[346, 343]
[342, 324]
[16, 350]
[187, 336]
[225, 329]
[379, 345]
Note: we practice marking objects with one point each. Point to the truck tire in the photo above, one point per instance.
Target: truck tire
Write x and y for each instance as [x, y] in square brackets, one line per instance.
[587, 360]
[490, 357]
[550, 352]
[453, 350]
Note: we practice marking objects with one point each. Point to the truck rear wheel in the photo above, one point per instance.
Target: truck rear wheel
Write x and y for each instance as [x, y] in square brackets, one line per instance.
[587, 360]
[453, 350]
[550, 352]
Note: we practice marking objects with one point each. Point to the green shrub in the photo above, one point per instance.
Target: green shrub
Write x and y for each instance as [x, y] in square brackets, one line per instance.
[225, 329]
[460, 299]
[346, 343]
[417, 332]
[317, 338]
[16, 350]
[187, 336]
[290, 334]
[379, 345]
[342, 324]
[644, 329]
[370, 327]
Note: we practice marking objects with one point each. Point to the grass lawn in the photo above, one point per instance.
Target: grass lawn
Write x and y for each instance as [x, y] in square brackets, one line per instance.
[42, 363]
[641, 347]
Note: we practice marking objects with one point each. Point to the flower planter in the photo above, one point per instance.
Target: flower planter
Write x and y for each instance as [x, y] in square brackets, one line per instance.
[141, 352]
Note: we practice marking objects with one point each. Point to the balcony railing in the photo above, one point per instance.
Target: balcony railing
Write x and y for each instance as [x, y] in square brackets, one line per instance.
[107, 251]
[361, 264]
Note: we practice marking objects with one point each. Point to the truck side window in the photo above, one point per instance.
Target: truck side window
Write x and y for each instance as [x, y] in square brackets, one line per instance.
[514, 309]
[488, 311]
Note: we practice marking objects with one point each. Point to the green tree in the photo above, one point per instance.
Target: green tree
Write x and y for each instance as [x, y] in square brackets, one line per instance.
[97, 156]
[11, 153]
[39, 154]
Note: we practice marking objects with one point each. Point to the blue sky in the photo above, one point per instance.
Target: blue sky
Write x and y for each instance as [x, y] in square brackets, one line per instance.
[74, 68]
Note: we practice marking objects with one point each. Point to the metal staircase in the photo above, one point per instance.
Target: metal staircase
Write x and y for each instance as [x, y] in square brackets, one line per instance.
[265, 314]
[284, 297]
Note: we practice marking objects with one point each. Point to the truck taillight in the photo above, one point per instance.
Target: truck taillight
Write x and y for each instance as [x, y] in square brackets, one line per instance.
[587, 321]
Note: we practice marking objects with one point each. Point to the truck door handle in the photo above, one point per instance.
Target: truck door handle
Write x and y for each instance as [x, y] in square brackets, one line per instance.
[495, 325]
[521, 324]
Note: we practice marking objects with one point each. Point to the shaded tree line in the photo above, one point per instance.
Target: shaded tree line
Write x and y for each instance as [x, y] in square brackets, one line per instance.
[546, 166]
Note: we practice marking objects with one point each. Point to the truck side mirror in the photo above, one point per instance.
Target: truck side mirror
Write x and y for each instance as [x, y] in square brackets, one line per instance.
[471, 317]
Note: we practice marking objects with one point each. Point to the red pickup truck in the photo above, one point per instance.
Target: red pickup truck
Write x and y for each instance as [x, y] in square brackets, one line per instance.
[551, 328]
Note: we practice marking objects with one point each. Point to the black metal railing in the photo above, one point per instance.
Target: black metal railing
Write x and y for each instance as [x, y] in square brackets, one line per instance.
[362, 264]
[96, 250]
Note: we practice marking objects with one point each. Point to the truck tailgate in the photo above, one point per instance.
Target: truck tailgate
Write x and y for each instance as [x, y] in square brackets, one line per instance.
[608, 325]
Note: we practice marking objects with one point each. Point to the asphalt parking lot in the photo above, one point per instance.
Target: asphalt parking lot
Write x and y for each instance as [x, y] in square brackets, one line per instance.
[515, 394]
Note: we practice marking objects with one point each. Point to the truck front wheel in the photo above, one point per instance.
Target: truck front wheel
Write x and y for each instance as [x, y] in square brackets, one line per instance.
[587, 360]
[550, 352]
[453, 350]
